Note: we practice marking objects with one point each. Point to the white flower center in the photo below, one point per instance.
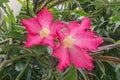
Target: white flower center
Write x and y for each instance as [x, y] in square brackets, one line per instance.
[44, 32]
[68, 42]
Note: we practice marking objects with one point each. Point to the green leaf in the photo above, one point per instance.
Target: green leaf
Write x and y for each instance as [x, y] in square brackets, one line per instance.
[4, 1]
[17, 47]
[15, 35]
[23, 17]
[117, 13]
[19, 76]
[99, 3]
[82, 1]
[80, 12]
[6, 19]
[115, 3]
[39, 49]
[71, 74]
[21, 2]
[84, 75]
[29, 74]
[2, 55]
[11, 17]
[118, 72]
[42, 61]
[19, 66]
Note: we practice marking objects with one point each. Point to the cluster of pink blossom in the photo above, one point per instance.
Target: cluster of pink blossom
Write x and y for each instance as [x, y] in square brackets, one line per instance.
[74, 39]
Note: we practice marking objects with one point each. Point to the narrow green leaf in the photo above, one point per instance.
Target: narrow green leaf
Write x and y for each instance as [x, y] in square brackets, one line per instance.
[71, 74]
[15, 35]
[118, 72]
[23, 17]
[99, 3]
[21, 2]
[2, 55]
[84, 74]
[11, 47]
[4, 1]
[117, 13]
[23, 70]
[39, 49]
[80, 12]
[12, 18]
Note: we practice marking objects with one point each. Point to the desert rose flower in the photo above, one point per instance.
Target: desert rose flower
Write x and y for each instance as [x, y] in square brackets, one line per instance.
[74, 45]
[40, 29]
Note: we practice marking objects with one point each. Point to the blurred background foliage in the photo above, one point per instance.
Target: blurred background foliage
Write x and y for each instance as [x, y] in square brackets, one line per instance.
[36, 63]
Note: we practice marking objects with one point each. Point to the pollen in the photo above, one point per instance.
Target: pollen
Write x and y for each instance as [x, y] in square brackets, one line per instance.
[44, 32]
[68, 42]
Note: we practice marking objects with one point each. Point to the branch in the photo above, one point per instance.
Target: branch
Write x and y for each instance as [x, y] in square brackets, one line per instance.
[4, 41]
[108, 39]
[110, 59]
[111, 46]
[107, 47]
[5, 62]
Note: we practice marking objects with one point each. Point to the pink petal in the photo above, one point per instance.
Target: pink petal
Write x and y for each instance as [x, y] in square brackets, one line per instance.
[62, 54]
[49, 41]
[33, 40]
[57, 26]
[73, 25]
[31, 25]
[45, 18]
[85, 24]
[88, 40]
[54, 27]
[61, 36]
[80, 58]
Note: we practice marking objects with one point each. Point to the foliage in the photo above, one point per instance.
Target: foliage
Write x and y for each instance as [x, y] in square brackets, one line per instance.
[36, 63]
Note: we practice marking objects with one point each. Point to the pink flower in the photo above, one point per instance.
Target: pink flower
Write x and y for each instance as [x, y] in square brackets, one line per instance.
[40, 29]
[74, 44]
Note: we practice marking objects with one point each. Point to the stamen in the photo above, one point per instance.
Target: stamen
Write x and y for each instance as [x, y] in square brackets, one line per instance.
[44, 32]
[68, 42]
